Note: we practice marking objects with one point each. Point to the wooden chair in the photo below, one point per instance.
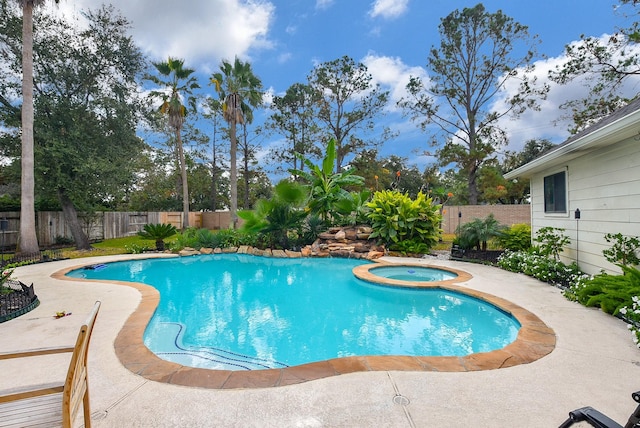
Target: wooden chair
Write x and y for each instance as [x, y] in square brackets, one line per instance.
[52, 404]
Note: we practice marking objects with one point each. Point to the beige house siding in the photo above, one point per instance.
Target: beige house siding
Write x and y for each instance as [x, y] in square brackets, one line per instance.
[604, 184]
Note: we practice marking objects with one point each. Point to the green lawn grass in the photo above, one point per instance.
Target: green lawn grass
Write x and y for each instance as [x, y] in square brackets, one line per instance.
[109, 247]
[445, 244]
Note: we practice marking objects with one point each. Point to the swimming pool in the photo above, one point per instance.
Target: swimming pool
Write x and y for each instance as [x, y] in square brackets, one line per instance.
[239, 312]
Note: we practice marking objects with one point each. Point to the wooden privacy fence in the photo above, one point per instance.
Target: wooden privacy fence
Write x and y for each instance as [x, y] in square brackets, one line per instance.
[52, 228]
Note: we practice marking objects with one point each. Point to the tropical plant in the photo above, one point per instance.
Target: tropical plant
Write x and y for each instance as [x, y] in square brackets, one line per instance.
[158, 232]
[179, 80]
[624, 250]
[327, 188]
[239, 90]
[552, 241]
[185, 238]
[280, 218]
[207, 239]
[312, 227]
[352, 209]
[395, 217]
[478, 232]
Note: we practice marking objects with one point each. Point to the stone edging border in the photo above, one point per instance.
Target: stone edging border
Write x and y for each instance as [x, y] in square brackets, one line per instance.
[535, 340]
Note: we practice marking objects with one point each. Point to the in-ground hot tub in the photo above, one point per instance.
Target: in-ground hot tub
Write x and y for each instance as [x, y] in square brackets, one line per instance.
[411, 275]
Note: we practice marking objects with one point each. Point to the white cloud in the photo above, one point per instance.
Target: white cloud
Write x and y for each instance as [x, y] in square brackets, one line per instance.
[284, 57]
[200, 32]
[324, 4]
[392, 74]
[552, 122]
[549, 122]
[267, 96]
[291, 29]
[388, 9]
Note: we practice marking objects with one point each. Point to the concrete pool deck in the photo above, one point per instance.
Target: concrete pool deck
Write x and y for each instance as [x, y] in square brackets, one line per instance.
[594, 363]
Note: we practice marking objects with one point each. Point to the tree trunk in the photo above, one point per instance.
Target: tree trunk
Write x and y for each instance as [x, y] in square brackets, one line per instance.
[28, 240]
[185, 184]
[246, 205]
[233, 176]
[214, 177]
[473, 186]
[71, 218]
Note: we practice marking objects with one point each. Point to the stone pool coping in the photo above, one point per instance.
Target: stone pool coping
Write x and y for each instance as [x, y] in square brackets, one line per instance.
[535, 340]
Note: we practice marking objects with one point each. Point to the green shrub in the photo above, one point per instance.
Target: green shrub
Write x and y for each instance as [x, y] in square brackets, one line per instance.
[552, 241]
[395, 217]
[136, 248]
[539, 266]
[235, 238]
[205, 238]
[623, 251]
[611, 292]
[63, 240]
[186, 238]
[516, 238]
[410, 246]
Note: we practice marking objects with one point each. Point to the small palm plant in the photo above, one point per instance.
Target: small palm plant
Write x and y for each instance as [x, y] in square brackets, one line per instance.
[158, 232]
[477, 232]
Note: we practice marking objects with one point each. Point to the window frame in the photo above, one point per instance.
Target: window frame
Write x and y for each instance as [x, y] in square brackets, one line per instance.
[556, 173]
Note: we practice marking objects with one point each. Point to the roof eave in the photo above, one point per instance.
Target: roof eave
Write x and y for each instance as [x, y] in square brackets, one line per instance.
[619, 130]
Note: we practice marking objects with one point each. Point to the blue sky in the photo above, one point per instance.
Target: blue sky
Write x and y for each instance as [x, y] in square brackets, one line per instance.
[284, 39]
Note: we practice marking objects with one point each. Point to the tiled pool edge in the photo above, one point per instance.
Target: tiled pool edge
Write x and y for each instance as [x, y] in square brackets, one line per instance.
[535, 340]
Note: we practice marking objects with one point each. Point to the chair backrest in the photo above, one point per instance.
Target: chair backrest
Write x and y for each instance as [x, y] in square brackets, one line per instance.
[76, 387]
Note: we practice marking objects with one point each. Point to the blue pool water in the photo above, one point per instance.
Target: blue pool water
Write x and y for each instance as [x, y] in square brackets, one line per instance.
[413, 273]
[241, 312]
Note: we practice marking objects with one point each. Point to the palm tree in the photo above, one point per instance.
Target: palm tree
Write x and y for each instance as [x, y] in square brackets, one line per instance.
[158, 232]
[176, 112]
[241, 91]
[28, 237]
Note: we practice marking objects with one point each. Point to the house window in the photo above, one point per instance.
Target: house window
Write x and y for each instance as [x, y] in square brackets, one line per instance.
[555, 193]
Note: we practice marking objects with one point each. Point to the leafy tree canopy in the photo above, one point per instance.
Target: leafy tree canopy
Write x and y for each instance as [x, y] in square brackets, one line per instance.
[605, 65]
[469, 71]
[348, 104]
